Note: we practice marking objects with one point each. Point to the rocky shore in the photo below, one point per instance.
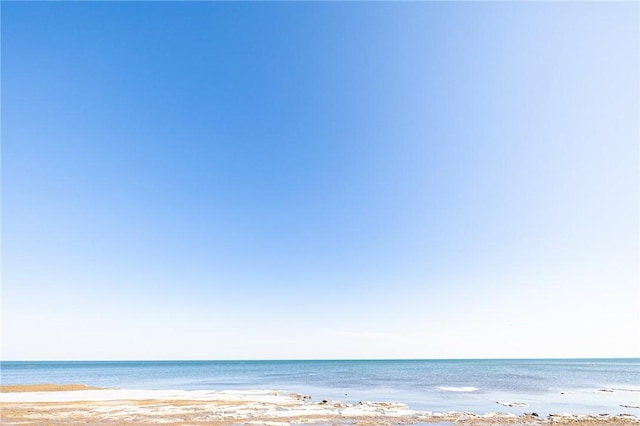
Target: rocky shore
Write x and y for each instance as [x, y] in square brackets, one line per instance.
[76, 404]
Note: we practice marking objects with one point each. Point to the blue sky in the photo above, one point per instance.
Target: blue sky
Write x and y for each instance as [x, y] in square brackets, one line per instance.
[319, 180]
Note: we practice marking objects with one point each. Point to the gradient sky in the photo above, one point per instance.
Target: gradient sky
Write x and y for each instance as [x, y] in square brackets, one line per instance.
[320, 180]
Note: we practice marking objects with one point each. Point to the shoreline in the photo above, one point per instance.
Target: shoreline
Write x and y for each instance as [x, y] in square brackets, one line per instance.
[81, 404]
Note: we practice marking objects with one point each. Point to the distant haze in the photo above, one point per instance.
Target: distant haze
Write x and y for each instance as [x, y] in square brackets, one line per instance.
[285, 180]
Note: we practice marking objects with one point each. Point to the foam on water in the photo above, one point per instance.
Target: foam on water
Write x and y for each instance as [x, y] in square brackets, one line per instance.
[457, 389]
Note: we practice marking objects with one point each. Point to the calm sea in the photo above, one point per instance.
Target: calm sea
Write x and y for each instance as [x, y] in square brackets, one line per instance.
[546, 386]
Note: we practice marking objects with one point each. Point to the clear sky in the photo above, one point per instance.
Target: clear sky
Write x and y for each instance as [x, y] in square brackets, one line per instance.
[320, 180]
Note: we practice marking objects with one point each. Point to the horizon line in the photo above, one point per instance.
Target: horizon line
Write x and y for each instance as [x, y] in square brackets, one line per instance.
[325, 359]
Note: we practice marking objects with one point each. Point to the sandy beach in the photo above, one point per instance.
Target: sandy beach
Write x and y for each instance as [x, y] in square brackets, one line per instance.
[44, 388]
[80, 404]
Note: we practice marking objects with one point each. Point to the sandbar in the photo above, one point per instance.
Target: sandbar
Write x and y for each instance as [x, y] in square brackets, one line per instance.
[45, 387]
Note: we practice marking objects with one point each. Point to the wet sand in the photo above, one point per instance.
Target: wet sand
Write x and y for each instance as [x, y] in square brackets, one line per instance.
[79, 404]
[44, 388]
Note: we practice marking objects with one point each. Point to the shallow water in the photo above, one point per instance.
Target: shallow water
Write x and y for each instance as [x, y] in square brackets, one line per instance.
[546, 386]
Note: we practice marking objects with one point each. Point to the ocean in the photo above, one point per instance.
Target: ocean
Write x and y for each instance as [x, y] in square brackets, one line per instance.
[577, 386]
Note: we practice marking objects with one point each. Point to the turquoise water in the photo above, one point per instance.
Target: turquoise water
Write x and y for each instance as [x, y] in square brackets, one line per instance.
[547, 386]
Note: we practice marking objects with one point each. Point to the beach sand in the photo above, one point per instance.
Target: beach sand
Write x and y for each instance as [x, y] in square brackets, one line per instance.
[79, 404]
[44, 388]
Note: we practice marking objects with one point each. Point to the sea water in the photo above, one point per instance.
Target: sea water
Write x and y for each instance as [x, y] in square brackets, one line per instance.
[577, 386]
